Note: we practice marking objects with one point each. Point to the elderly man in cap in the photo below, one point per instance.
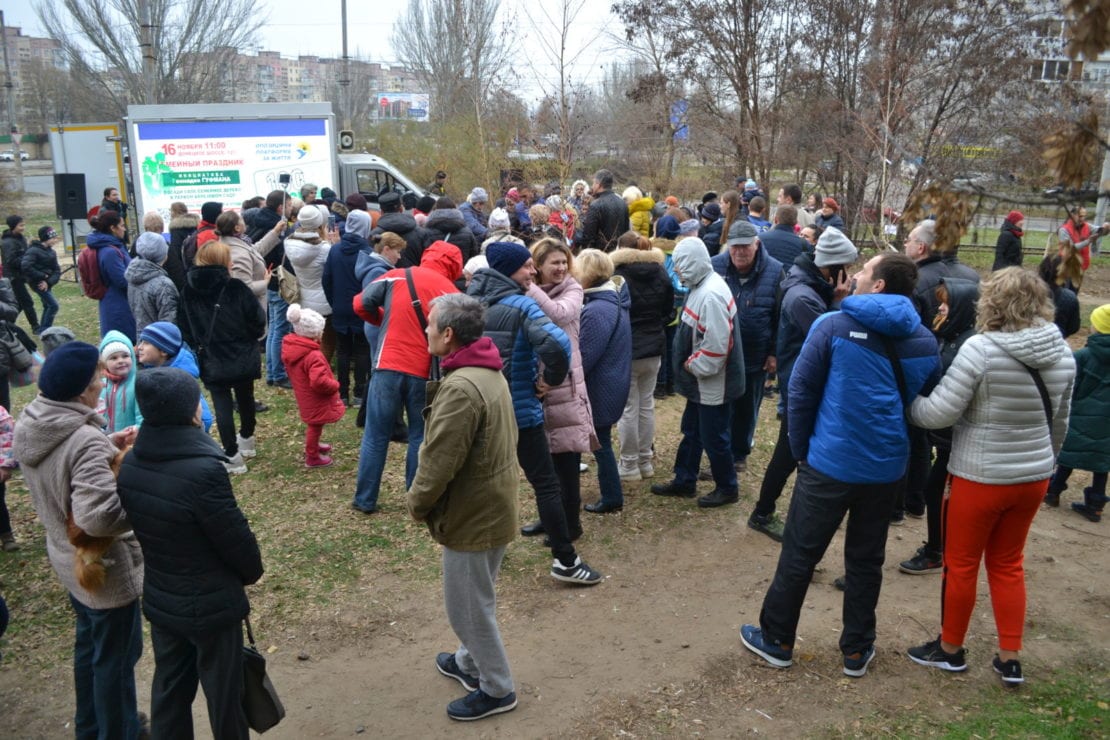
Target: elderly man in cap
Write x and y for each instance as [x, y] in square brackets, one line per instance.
[66, 461]
[709, 372]
[753, 276]
[474, 215]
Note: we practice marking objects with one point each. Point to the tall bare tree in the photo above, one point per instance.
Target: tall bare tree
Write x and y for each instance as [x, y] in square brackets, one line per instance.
[190, 44]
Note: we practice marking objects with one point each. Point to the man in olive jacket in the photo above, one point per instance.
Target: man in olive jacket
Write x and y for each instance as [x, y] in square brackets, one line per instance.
[465, 489]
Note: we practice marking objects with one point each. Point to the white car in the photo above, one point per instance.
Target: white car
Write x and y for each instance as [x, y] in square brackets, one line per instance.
[9, 155]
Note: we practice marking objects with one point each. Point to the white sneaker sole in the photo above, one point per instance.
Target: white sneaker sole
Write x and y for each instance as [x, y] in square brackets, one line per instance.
[579, 578]
[776, 662]
[490, 713]
[944, 665]
[860, 672]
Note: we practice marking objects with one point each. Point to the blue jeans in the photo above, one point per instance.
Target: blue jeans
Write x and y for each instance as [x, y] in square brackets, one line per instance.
[279, 327]
[386, 393]
[705, 428]
[608, 476]
[108, 644]
[49, 309]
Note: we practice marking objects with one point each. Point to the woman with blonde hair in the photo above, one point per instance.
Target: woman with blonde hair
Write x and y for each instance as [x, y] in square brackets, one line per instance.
[1007, 395]
[221, 319]
[606, 343]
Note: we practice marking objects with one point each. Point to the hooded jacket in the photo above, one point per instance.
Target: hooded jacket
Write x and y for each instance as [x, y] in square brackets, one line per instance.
[117, 402]
[476, 221]
[806, 294]
[40, 264]
[1000, 434]
[181, 228]
[198, 548]
[846, 412]
[524, 337]
[708, 353]
[150, 293]
[711, 236]
[112, 261]
[314, 385]
[308, 263]
[652, 298]
[567, 417]
[448, 224]
[1007, 250]
[1087, 445]
[930, 271]
[187, 361]
[466, 486]
[639, 215]
[757, 299]
[958, 327]
[65, 459]
[387, 303]
[341, 284]
[604, 222]
[606, 335]
[404, 226]
[220, 318]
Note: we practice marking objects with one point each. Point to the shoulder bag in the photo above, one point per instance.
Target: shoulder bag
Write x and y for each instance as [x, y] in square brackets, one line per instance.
[261, 704]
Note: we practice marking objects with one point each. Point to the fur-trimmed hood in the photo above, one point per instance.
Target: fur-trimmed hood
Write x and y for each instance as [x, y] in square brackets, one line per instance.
[188, 221]
[629, 256]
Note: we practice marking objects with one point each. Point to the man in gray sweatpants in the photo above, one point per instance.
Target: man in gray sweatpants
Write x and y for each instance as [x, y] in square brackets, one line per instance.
[465, 489]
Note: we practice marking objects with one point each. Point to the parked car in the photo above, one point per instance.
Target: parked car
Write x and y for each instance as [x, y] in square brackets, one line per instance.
[9, 155]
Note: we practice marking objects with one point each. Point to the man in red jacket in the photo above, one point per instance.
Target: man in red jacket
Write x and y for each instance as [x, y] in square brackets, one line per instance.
[403, 362]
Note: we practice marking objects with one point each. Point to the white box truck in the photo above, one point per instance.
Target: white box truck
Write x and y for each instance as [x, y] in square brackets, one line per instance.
[231, 152]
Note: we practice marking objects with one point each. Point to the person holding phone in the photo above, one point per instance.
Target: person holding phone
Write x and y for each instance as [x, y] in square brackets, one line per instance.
[812, 286]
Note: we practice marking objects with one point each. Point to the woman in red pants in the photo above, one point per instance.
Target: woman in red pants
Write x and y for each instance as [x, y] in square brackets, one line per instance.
[1007, 394]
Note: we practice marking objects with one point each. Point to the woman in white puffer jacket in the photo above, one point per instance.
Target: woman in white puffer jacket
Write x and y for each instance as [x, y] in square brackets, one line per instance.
[307, 250]
[1004, 445]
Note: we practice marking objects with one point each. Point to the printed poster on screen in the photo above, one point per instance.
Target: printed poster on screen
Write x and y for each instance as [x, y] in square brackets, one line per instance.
[228, 161]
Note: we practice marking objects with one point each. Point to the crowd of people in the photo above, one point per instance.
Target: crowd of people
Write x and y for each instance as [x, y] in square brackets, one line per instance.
[516, 339]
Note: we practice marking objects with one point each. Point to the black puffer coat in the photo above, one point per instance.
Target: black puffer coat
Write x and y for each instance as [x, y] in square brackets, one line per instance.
[448, 224]
[198, 549]
[181, 228]
[40, 263]
[1007, 250]
[404, 226]
[652, 296]
[230, 354]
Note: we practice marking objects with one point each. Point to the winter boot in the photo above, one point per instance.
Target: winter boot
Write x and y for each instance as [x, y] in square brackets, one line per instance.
[1052, 497]
[1091, 508]
[316, 461]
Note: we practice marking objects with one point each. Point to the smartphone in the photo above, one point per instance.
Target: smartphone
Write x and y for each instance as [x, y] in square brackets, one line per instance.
[285, 178]
[331, 221]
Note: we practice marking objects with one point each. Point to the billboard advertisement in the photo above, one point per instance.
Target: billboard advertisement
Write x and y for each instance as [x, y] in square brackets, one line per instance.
[227, 161]
[406, 106]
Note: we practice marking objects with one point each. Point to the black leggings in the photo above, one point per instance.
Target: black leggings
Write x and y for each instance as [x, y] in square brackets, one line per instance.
[225, 412]
[570, 480]
[778, 471]
[352, 344]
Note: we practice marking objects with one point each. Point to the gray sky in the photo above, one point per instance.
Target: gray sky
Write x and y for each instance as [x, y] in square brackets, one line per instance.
[295, 30]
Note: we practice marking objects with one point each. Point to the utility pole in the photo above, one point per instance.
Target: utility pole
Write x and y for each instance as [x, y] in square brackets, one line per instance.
[17, 157]
[146, 46]
[345, 82]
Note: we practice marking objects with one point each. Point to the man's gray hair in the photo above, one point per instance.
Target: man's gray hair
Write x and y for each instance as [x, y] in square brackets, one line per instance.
[464, 314]
[927, 233]
[604, 178]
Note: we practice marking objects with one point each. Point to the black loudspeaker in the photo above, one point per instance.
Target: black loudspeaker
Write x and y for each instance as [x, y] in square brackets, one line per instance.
[69, 196]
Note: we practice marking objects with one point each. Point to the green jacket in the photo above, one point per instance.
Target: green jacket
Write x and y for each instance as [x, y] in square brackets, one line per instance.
[1087, 446]
[467, 481]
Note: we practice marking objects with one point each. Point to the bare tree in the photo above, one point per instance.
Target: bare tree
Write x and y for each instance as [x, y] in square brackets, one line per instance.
[190, 44]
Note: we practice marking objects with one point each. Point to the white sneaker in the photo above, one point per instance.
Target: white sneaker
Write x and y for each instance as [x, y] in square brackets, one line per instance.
[246, 446]
[647, 470]
[235, 465]
[630, 474]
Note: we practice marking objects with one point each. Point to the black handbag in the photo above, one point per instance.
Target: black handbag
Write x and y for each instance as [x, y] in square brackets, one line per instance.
[19, 357]
[260, 700]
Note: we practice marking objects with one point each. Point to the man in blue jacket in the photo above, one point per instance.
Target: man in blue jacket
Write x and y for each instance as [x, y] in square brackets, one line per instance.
[848, 431]
[753, 276]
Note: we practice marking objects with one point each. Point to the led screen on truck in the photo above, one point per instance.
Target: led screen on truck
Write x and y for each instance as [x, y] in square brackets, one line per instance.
[228, 161]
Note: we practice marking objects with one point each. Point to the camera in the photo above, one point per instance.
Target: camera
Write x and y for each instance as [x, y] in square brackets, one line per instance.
[285, 178]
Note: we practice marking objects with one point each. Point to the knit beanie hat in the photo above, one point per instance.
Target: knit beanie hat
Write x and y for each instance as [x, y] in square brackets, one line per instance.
[112, 347]
[153, 247]
[305, 321]
[750, 184]
[1100, 319]
[711, 211]
[671, 201]
[167, 397]
[55, 337]
[328, 195]
[356, 202]
[1015, 216]
[667, 227]
[475, 263]
[311, 218]
[833, 248]
[210, 211]
[68, 370]
[499, 219]
[478, 195]
[358, 223]
[46, 233]
[506, 257]
[163, 335]
[689, 227]
[427, 204]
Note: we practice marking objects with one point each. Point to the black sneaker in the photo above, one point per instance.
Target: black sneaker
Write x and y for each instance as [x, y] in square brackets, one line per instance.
[1052, 498]
[448, 666]
[932, 654]
[857, 667]
[478, 704]
[1010, 671]
[685, 490]
[924, 562]
[771, 526]
[578, 573]
[718, 497]
[897, 519]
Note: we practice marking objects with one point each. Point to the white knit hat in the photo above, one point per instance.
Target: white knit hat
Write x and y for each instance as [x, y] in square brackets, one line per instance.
[305, 321]
[499, 219]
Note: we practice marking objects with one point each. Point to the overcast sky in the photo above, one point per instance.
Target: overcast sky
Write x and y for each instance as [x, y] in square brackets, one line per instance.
[294, 29]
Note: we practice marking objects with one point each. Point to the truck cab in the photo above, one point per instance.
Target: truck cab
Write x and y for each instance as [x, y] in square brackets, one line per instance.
[371, 175]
